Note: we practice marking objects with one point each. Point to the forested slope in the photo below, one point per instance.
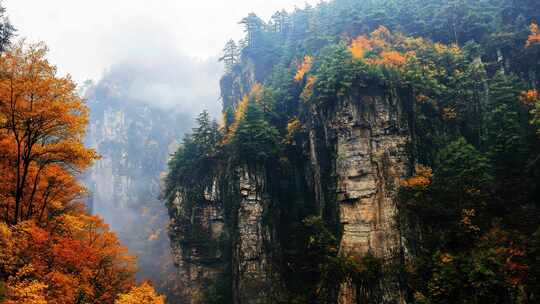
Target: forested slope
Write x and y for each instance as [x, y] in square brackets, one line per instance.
[369, 152]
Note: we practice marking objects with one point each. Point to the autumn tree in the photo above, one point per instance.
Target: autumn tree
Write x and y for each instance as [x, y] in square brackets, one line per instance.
[144, 293]
[534, 37]
[42, 124]
[78, 261]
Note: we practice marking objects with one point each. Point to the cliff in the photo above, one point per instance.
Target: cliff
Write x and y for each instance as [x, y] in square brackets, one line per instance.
[352, 162]
[125, 184]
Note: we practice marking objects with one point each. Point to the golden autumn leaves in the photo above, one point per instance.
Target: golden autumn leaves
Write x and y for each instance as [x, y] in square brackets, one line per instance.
[380, 51]
[78, 259]
[42, 127]
[392, 56]
[534, 37]
[52, 250]
[240, 111]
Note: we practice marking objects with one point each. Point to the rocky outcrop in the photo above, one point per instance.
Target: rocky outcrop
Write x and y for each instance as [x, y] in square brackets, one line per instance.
[371, 159]
[362, 146]
[134, 141]
[250, 256]
[195, 250]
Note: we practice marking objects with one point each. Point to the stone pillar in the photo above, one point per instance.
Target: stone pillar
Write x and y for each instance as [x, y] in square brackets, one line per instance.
[250, 261]
[371, 159]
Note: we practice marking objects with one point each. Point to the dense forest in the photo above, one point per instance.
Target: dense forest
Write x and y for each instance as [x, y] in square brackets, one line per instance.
[369, 152]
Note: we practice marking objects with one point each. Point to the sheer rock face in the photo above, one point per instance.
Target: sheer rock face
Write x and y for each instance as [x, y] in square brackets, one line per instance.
[198, 265]
[198, 260]
[369, 136]
[134, 142]
[371, 160]
[250, 258]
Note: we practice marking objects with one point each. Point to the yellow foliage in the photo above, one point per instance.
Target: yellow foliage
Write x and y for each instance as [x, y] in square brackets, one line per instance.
[22, 288]
[446, 258]
[455, 50]
[239, 114]
[391, 59]
[439, 48]
[420, 297]
[44, 118]
[359, 46]
[303, 68]
[388, 50]
[381, 37]
[534, 37]
[449, 113]
[8, 260]
[293, 126]
[142, 294]
[421, 180]
[240, 110]
[308, 89]
[67, 256]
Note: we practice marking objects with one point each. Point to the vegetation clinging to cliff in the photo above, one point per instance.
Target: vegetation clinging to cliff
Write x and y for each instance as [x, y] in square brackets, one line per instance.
[464, 73]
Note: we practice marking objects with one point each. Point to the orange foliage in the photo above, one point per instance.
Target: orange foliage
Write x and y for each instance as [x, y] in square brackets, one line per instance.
[144, 293]
[308, 88]
[42, 123]
[359, 46]
[51, 251]
[421, 180]
[23, 288]
[422, 98]
[529, 97]
[534, 37]
[391, 59]
[381, 37]
[446, 258]
[79, 257]
[449, 113]
[240, 110]
[382, 45]
[303, 68]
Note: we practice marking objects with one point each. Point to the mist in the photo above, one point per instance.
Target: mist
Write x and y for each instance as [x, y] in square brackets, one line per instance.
[88, 37]
[161, 77]
[139, 111]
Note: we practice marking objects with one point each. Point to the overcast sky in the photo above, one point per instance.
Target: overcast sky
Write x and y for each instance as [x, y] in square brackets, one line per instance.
[87, 37]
